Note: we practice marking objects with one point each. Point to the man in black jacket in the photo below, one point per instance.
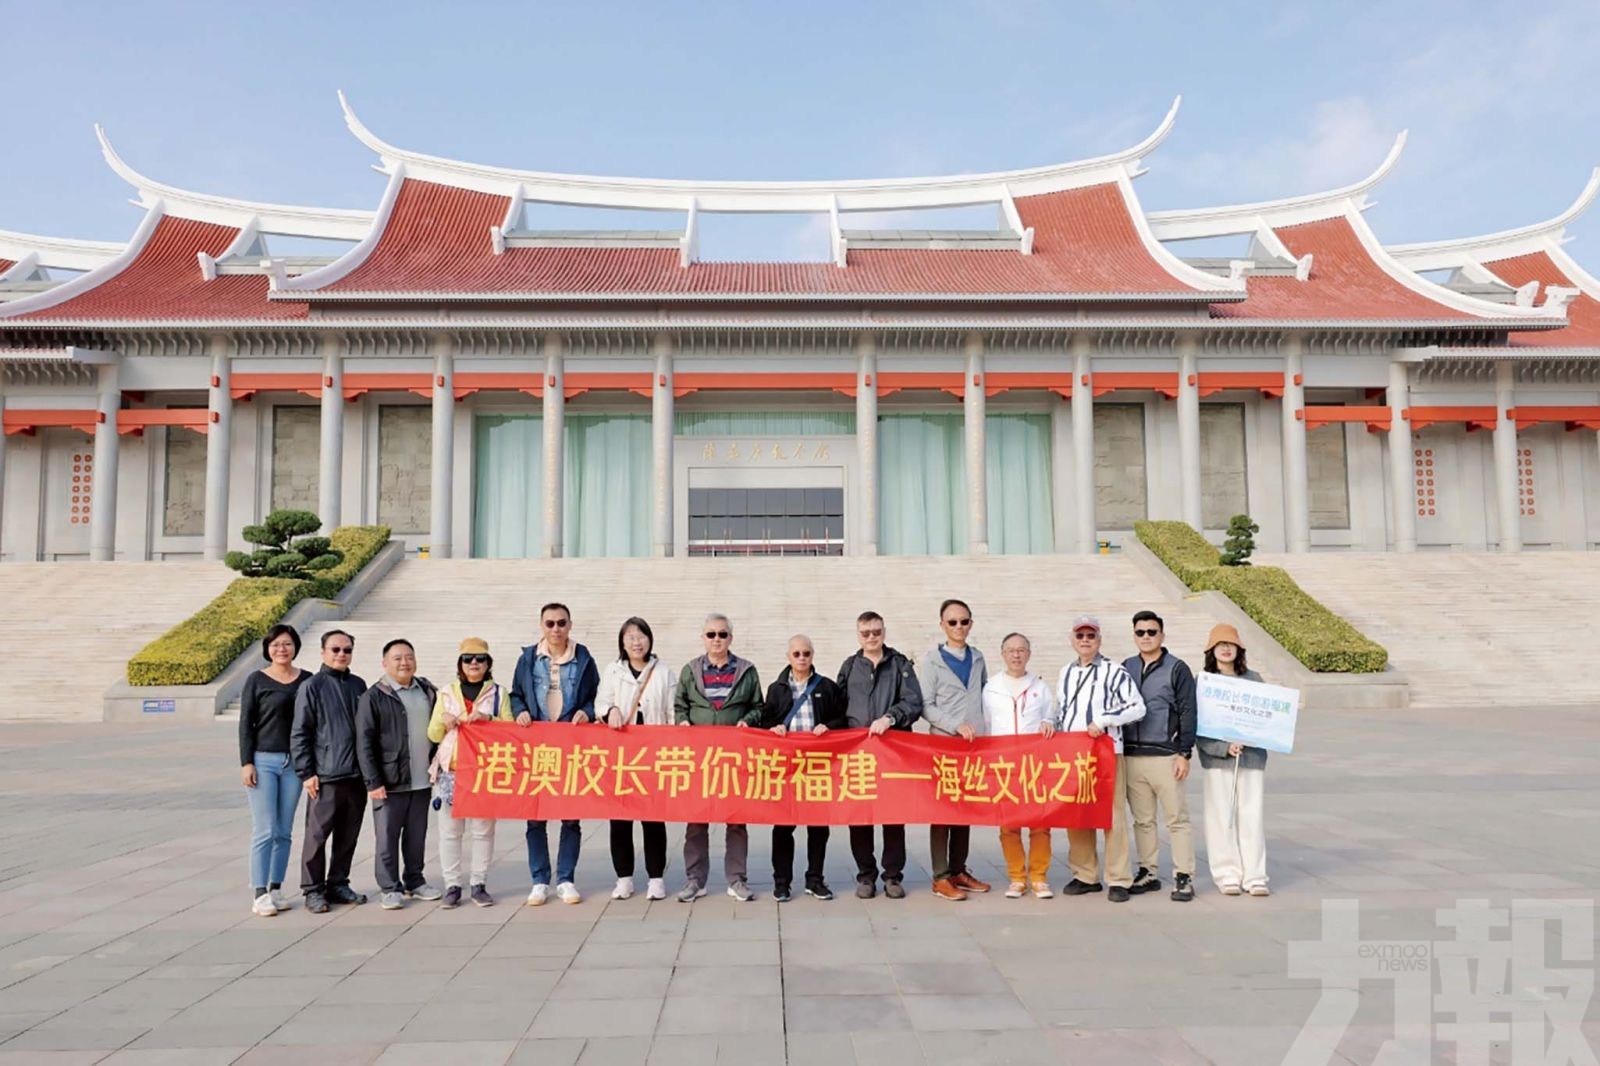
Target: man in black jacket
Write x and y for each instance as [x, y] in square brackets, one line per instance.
[801, 701]
[322, 745]
[881, 693]
[1157, 749]
[394, 751]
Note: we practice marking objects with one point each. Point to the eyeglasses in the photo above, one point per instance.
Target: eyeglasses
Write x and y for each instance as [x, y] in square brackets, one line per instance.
[717, 634]
[342, 651]
[557, 623]
[281, 645]
[958, 621]
[1085, 634]
[1147, 632]
[471, 660]
[870, 632]
[801, 654]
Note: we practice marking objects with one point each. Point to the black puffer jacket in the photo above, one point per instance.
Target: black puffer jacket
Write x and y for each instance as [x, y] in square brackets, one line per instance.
[383, 736]
[322, 741]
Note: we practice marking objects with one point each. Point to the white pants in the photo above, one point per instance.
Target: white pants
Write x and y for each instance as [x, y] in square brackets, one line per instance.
[481, 846]
[1236, 835]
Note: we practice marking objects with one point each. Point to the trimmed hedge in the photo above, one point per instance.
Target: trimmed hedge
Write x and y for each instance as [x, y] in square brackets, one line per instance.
[196, 650]
[1320, 639]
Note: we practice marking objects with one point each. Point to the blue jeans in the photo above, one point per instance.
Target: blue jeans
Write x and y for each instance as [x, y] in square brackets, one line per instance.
[566, 852]
[272, 805]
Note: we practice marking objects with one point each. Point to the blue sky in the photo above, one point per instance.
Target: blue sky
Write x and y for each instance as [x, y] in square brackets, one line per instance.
[1279, 99]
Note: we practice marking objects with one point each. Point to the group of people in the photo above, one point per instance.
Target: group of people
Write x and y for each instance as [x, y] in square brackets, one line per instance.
[392, 745]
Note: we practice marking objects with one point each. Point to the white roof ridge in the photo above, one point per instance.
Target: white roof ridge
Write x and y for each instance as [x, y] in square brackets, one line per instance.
[1502, 244]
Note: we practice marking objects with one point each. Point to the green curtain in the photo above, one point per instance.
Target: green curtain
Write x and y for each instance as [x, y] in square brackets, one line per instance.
[608, 485]
[921, 482]
[764, 423]
[1017, 465]
[507, 486]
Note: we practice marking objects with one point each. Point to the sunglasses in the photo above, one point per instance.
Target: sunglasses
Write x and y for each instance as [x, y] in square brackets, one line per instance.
[870, 632]
[1085, 634]
[1147, 632]
[717, 634]
[342, 651]
[473, 659]
[801, 654]
[958, 621]
[557, 623]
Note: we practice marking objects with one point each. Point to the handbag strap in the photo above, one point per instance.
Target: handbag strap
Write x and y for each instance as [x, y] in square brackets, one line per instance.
[638, 692]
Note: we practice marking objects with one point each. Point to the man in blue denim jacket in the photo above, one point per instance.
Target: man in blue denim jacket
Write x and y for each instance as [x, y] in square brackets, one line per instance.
[555, 681]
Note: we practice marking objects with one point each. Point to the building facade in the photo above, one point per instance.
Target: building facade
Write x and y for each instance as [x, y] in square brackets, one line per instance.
[490, 388]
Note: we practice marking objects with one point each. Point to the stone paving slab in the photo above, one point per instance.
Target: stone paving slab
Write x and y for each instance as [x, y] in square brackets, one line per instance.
[126, 936]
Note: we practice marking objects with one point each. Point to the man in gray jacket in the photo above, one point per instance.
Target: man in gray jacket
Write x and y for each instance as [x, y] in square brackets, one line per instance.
[952, 677]
[881, 693]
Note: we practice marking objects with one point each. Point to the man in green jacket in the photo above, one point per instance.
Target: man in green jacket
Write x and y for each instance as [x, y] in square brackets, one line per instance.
[717, 688]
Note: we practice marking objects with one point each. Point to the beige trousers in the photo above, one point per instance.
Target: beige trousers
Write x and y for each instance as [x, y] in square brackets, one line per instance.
[1150, 782]
[1236, 835]
[1081, 857]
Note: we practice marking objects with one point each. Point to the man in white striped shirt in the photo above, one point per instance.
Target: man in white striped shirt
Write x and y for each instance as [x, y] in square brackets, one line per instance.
[1098, 696]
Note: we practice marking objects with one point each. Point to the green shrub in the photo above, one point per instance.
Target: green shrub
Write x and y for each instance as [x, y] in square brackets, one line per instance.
[1241, 542]
[285, 547]
[1320, 639]
[196, 650]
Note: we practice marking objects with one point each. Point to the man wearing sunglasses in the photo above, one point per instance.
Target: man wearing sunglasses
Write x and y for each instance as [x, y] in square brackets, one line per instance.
[1158, 748]
[717, 688]
[322, 745]
[555, 681]
[952, 677]
[881, 693]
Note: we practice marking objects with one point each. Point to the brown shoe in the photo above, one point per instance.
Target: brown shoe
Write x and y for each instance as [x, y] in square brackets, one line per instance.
[945, 888]
[967, 881]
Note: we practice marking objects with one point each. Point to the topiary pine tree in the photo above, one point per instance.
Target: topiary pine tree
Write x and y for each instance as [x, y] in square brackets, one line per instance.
[286, 547]
[1241, 542]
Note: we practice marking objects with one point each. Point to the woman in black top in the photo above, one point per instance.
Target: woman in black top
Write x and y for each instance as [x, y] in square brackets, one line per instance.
[266, 712]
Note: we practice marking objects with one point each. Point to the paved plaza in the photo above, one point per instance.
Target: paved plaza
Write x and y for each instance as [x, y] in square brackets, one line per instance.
[126, 933]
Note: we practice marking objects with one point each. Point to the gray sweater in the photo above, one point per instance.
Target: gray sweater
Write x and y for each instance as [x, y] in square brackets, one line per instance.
[1214, 753]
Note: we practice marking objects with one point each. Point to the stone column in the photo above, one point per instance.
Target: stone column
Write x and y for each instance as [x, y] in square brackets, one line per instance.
[329, 482]
[661, 404]
[107, 443]
[867, 444]
[1083, 444]
[555, 409]
[1296, 489]
[1507, 491]
[1189, 432]
[442, 490]
[3, 439]
[974, 406]
[1402, 478]
[219, 446]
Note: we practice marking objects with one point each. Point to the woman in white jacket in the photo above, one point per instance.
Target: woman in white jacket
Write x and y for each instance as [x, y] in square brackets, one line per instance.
[636, 689]
[1019, 703]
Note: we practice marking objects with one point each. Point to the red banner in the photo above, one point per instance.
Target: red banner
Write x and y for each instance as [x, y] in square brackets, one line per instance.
[723, 774]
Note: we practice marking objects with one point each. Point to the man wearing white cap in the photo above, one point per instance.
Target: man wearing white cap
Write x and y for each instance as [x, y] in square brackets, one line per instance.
[1097, 696]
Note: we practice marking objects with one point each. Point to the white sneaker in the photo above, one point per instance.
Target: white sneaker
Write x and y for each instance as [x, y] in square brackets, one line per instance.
[391, 901]
[277, 899]
[567, 892]
[539, 894]
[263, 907]
[657, 889]
[740, 891]
[624, 889]
[691, 891]
[1259, 890]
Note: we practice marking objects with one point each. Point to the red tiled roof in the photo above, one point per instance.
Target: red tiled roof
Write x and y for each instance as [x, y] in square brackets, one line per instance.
[6, 264]
[1345, 283]
[164, 282]
[437, 240]
[1583, 313]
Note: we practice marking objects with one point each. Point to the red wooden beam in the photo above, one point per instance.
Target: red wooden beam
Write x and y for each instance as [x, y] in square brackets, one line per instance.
[1474, 417]
[1376, 418]
[245, 386]
[1058, 382]
[1212, 381]
[1163, 382]
[954, 384]
[139, 419]
[1573, 417]
[467, 384]
[357, 385]
[20, 420]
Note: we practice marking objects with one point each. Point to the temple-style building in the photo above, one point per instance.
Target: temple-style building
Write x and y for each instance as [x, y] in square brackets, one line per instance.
[488, 386]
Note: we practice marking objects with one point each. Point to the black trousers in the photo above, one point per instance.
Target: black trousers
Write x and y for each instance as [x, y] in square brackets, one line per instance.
[655, 848]
[783, 854]
[336, 813]
[894, 853]
[400, 823]
[949, 846]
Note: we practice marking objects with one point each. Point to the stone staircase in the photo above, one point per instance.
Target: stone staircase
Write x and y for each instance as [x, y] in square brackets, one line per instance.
[67, 630]
[436, 602]
[1470, 628]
